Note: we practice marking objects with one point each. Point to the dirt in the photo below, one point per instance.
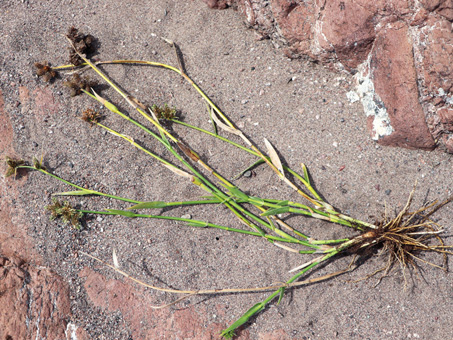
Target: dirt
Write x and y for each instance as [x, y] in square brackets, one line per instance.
[299, 106]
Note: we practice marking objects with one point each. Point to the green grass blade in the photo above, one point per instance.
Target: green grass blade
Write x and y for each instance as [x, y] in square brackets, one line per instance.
[74, 193]
[149, 205]
[229, 332]
[122, 212]
[276, 211]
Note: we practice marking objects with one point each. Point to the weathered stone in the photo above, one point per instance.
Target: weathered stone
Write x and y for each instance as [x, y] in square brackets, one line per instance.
[146, 322]
[395, 81]
[218, 4]
[35, 302]
[446, 115]
[404, 51]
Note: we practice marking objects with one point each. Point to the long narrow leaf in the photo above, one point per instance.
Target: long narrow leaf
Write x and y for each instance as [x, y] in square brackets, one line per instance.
[74, 193]
[276, 211]
[122, 212]
[149, 205]
[228, 333]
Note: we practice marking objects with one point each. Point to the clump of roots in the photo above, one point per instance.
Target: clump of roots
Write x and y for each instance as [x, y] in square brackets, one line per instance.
[404, 237]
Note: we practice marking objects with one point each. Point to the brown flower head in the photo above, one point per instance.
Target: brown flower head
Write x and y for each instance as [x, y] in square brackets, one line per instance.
[91, 116]
[12, 164]
[44, 70]
[76, 83]
[164, 112]
[83, 43]
[66, 212]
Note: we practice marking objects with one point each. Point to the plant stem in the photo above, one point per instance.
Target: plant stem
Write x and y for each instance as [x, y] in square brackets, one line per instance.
[88, 191]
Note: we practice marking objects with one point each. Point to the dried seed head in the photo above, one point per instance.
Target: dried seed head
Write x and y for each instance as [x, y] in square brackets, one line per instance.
[12, 164]
[44, 70]
[91, 116]
[164, 112]
[83, 43]
[66, 212]
[76, 84]
[37, 164]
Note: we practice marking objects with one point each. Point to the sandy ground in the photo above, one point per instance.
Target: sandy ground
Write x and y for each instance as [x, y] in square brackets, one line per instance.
[300, 107]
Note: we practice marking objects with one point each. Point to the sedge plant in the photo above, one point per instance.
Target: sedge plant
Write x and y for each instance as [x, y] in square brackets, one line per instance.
[401, 237]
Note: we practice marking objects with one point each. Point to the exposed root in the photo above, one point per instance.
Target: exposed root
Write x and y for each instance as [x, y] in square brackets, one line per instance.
[404, 236]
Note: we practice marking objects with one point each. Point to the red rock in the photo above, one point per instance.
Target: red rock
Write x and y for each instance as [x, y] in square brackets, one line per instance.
[395, 81]
[443, 7]
[296, 23]
[344, 33]
[446, 115]
[347, 31]
[35, 303]
[145, 322]
[218, 4]
[45, 103]
[448, 141]
[420, 17]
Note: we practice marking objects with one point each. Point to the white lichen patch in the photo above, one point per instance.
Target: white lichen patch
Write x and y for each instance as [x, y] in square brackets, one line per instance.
[372, 103]
[352, 96]
[70, 331]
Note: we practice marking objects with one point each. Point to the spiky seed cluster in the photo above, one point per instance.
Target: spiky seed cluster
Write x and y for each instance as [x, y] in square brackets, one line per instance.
[66, 212]
[164, 112]
[37, 164]
[91, 116]
[12, 164]
[76, 84]
[83, 43]
[44, 70]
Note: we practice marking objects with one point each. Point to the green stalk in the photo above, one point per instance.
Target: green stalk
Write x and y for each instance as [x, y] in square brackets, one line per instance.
[229, 332]
[82, 191]
[197, 223]
[233, 206]
[215, 135]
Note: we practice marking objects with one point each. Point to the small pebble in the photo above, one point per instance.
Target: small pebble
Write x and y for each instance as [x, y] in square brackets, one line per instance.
[245, 101]
[248, 173]
[342, 120]
[335, 144]
[99, 219]
[186, 216]
[70, 164]
[388, 191]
